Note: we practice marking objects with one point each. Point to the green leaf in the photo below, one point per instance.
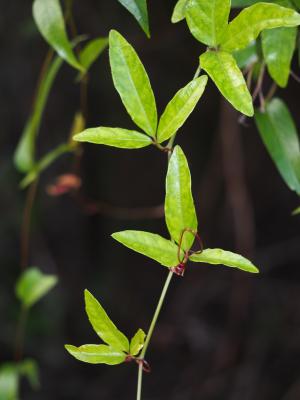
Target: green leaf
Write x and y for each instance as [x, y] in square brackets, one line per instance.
[96, 354]
[138, 8]
[115, 137]
[103, 325]
[49, 19]
[91, 51]
[223, 70]
[297, 3]
[207, 20]
[278, 47]
[44, 163]
[9, 382]
[280, 136]
[29, 369]
[180, 107]
[219, 256]
[247, 56]
[132, 83]
[151, 245]
[24, 154]
[252, 20]
[180, 211]
[137, 342]
[296, 211]
[246, 3]
[179, 11]
[33, 285]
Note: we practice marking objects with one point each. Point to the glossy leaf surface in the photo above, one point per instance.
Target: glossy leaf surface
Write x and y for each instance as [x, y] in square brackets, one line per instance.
[180, 210]
[137, 342]
[223, 70]
[50, 21]
[280, 136]
[207, 20]
[138, 8]
[91, 51]
[278, 47]
[96, 354]
[151, 245]
[33, 285]
[179, 11]
[24, 156]
[103, 325]
[219, 256]
[247, 56]
[179, 108]
[132, 83]
[115, 137]
[253, 20]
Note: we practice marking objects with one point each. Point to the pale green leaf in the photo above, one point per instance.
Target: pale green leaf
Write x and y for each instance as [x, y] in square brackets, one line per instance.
[180, 211]
[103, 325]
[115, 137]
[219, 256]
[138, 8]
[96, 354]
[223, 70]
[44, 163]
[278, 47]
[137, 342]
[179, 11]
[207, 20]
[50, 21]
[179, 108]
[24, 154]
[91, 51]
[280, 136]
[151, 245]
[29, 369]
[132, 83]
[246, 57]
[9, 382]
[253, 20]
[33, 285]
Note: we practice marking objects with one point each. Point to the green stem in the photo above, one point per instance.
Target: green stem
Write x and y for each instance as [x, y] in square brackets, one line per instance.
[150, 332]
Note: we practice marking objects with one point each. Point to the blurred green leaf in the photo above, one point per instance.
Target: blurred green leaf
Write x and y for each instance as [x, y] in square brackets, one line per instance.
[219, 256]
[180, 211]
[50, 21]
[296, 211]
[253, 20]
[103, 325]
[24, 154]
[280, 136]
[44, 163]
[223, 70]
[138, 8]
[278, 47]
[91, 51]
[115, 137]
[297, 3]
[33, 285]
[9, 382]
[151, 245]
[246, 3]
[179, 11]
[97, 354]
[132, 83]
[247, 56]
[29, 369]
[137, 342]
[207, 20]
[179, 108]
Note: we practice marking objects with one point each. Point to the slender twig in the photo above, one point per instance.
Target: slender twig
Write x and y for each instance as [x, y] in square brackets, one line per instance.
[150, 332]
[296, 77]
[25, 228]
[20, 334]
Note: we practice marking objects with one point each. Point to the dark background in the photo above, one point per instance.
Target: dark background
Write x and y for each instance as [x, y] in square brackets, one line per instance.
[223, 334]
